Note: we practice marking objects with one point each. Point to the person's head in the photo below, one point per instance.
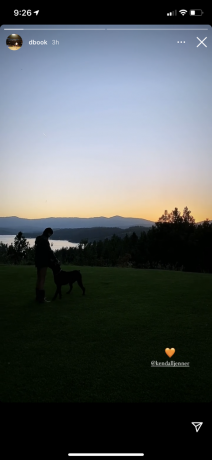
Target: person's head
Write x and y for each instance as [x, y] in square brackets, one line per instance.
[48, 232]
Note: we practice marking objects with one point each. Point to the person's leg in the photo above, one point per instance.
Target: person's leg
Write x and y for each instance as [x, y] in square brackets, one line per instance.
[42, 276]
[37, 284]
[38, 279]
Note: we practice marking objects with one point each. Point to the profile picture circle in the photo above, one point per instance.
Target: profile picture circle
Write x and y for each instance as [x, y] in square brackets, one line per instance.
[14, 42]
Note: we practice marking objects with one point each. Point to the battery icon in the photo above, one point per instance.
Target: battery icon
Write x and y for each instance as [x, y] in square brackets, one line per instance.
[196, 12]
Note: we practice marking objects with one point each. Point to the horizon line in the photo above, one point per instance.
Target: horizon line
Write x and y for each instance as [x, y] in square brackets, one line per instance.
[70, 217]
[96, 217]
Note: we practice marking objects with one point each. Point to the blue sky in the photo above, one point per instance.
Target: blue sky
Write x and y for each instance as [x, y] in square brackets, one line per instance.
[106, 122]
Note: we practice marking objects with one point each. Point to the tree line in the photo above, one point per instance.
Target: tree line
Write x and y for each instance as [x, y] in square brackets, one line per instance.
[174, 243]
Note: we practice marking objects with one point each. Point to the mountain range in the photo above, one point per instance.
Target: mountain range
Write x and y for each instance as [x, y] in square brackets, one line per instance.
[74, 229]
[17, 224]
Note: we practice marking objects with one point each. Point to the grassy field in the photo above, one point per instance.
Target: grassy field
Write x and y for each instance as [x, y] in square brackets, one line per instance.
[99, 347]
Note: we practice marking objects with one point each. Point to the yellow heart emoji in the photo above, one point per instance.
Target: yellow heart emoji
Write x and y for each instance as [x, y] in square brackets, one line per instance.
[170, 351]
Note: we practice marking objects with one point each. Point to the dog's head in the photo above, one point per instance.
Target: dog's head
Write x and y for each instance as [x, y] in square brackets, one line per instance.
[55, 265]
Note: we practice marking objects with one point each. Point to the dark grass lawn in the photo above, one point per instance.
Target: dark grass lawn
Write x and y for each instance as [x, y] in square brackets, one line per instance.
[99, 347]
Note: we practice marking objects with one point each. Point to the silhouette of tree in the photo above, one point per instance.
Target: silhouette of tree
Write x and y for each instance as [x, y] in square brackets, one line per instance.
[187, 217]
[165, 217]
[20, 244]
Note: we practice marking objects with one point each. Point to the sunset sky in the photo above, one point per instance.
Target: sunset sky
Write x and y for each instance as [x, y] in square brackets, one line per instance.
[106, 122]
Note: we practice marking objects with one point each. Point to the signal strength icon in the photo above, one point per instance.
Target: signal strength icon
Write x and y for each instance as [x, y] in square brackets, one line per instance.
[197, 425]
[183, 12]
[172, 13]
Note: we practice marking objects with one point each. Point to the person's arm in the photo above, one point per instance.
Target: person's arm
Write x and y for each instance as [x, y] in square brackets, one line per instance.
[51, 255]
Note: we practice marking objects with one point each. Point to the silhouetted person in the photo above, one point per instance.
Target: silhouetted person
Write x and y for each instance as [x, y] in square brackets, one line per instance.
[43, 254]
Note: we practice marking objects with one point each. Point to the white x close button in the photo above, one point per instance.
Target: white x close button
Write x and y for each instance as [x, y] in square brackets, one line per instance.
[201, 42]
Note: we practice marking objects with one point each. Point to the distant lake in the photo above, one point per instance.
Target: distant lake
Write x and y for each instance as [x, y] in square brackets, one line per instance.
[54, 244]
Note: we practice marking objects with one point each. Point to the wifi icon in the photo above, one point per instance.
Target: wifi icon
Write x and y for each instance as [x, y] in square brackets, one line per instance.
[183, 12]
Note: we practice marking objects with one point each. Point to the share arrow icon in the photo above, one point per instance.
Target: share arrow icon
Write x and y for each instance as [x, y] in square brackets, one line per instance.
[197, 425]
